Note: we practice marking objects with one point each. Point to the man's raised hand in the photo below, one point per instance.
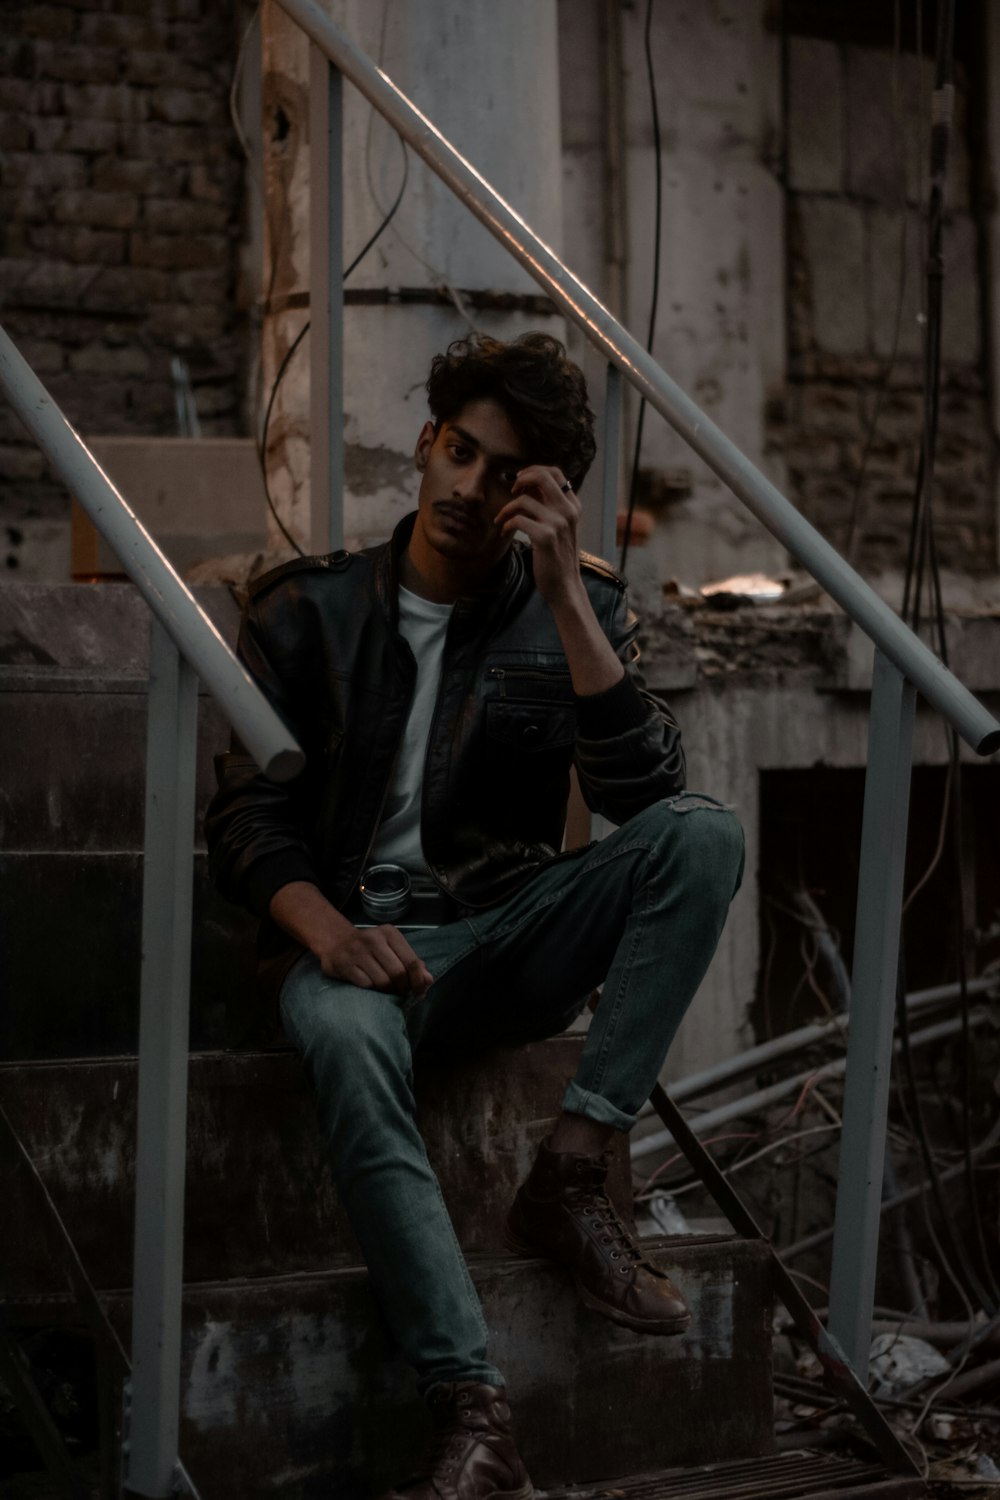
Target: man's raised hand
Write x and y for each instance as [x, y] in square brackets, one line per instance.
[544, 506]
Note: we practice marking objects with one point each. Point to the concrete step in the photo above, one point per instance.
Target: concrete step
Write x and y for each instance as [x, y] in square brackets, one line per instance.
[260, 1198]
[290, 1387]
[73, 664]
[71, 939]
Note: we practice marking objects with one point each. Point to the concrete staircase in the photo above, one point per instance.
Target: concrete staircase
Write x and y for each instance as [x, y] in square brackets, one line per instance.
[290, 1385]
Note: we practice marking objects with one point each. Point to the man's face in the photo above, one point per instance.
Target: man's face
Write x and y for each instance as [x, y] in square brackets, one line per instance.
[467, 469]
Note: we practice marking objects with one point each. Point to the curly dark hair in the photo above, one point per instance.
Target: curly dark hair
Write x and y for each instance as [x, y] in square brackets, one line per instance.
[542, 391]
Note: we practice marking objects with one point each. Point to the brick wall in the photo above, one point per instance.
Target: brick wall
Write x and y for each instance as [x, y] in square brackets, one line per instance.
[857, 175]
[120, 223]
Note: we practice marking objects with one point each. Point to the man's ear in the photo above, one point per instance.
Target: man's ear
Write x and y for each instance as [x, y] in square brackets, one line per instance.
[425, 443]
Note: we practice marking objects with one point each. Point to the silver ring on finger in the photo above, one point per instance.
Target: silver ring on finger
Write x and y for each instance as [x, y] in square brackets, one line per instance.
[567, 488]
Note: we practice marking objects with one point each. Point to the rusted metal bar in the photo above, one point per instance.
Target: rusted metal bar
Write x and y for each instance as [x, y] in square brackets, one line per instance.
[58, 1244]
[55, 1241]
[836, 1368]
[37, 1419]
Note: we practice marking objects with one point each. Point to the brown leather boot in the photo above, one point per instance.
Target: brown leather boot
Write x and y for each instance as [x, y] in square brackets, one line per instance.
[562, 1211]
[471, 1455]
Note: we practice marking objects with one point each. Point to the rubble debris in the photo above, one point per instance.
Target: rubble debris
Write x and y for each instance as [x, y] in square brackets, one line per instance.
[744, 588]
[899, 1361]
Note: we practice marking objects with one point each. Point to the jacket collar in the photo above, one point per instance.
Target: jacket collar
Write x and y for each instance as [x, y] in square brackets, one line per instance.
[479, 609]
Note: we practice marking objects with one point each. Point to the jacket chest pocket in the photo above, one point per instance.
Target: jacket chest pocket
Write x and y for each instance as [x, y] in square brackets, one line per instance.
[534, 712]
[530, 727]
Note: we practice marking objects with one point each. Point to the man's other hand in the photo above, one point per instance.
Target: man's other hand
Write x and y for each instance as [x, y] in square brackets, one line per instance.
[373, 958]
[376, 958]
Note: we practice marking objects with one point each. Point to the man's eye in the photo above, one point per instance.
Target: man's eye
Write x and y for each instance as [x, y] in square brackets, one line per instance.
[459, 452]
[506, 477]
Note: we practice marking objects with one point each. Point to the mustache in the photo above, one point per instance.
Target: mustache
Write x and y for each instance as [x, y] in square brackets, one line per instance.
[469, 515]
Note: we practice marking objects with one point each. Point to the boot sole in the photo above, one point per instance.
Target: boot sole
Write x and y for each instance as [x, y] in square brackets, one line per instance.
[663, 1328]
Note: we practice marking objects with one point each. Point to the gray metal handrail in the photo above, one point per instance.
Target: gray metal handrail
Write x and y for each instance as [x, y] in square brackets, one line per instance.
[167, 595]
[893, 638]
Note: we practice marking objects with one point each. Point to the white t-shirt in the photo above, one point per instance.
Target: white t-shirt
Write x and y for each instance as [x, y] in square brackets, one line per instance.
[423, 624]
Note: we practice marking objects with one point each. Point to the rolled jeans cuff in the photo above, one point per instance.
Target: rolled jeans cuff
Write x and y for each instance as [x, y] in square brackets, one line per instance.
[578, 1101]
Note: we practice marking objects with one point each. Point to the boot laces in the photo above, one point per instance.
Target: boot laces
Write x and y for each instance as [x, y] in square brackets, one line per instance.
[590, 1197]
[452, 1439]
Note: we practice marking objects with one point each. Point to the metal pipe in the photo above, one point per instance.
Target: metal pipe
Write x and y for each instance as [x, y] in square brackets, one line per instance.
[164, 998]
[751, 1104]
[861, 1168]
[732, 1068]
[170, 599]
[947, 1174]
[611, 458]
[898, 643]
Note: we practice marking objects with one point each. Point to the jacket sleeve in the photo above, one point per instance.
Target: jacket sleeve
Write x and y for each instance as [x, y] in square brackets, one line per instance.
[256, 829]
[628, 746]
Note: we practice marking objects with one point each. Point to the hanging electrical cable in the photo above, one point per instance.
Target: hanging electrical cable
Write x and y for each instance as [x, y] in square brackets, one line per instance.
[655, 297]
[294, 345]
[922, 564]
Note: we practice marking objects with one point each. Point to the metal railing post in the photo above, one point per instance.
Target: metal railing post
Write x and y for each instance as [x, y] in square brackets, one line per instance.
[326, 304]
[873, 1003]
[611, 459]
[163, 1063]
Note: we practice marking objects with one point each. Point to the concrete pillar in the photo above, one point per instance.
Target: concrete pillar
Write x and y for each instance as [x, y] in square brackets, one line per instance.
[720, 330]
[487, 76]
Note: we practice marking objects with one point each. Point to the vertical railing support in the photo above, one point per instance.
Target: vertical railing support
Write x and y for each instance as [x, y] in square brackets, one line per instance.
[326, 304]
[873, 1001]
[611, 461]
[163, 1061]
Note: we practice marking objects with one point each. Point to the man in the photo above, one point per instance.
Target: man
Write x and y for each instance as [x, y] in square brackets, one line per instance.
[441, 686]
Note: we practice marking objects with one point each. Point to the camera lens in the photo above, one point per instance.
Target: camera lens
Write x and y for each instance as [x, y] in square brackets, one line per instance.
[385, 893]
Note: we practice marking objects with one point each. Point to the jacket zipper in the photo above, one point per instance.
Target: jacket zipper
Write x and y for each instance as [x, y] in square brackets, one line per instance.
[522, 674]
[441, 884]
[543, 672]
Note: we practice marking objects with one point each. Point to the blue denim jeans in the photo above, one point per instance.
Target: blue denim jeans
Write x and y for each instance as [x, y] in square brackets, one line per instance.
[640, 912]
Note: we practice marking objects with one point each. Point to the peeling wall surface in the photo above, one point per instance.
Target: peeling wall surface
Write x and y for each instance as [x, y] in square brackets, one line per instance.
[858, 133]
[720, 326]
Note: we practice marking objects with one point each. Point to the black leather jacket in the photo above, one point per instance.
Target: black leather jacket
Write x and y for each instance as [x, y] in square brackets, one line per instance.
[320, 638]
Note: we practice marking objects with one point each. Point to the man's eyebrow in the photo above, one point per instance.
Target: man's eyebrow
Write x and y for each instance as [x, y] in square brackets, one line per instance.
[471, 441]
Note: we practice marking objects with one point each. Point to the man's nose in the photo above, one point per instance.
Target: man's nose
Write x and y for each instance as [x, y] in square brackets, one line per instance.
[471, 483]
